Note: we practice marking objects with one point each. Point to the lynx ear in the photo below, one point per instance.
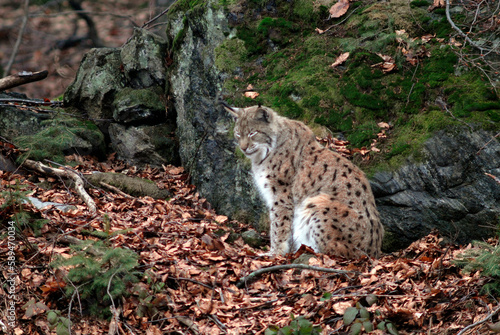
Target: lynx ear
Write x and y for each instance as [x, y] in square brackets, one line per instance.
[263, 115]
[234, 111]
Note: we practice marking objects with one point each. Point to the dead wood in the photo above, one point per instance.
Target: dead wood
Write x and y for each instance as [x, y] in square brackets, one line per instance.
[64, 173]
[21, 78]
[252, 276]
[136, 187]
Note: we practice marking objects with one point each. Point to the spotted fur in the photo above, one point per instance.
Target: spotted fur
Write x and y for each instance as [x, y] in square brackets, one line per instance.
[315, 196]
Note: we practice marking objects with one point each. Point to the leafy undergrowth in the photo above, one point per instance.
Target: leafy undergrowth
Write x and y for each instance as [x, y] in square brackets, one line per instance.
[182, 279]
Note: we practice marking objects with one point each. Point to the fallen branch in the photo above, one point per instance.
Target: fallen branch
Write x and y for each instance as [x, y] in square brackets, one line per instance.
[253, 275]
[460, 32]
[66, 173]
[21, 78]
[475, 324]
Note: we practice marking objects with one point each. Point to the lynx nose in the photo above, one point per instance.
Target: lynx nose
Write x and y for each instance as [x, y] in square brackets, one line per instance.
[244, 146]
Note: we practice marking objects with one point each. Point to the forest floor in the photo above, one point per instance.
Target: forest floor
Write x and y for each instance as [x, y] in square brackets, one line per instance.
[187, 271]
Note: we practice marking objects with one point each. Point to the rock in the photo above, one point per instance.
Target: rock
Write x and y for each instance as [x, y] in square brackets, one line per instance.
[16, 122]
[207, 148]
[143, 60]
[125, 87]
[134, 146]
[48, 135]
[448, 190]
[132, 106]
[252, 238]
[97, 81]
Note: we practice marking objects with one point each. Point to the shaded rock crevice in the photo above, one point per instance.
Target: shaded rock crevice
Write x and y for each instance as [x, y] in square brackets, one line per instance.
[448, 190]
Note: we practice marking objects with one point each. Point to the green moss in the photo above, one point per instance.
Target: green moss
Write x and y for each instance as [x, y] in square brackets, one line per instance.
[58, 139]
[291, 68]
[419, 3]
[230, 54]
[304, 10]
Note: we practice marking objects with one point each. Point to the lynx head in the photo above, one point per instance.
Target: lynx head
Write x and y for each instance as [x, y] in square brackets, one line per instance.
[255, 130]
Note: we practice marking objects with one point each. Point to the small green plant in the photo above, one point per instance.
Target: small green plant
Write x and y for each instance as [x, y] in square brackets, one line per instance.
[99, 271]
[15, 198]
[58, 322]
[483, 257]
[298, 326]
[361, 321]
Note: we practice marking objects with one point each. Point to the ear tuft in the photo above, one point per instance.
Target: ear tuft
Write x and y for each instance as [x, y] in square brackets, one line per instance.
[232, 110]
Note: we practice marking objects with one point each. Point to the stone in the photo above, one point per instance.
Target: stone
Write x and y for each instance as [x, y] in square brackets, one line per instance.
[206, 146]
[134, 146]
[448, 190]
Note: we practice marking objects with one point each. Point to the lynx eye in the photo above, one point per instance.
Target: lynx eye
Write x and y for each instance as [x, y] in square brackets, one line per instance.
[252, 134]
[237, 134]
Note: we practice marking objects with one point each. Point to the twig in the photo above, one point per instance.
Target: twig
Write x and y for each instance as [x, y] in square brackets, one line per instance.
[113, 325]
[193, 281]
[158, 16]
[339, 23]
[19, 37]
[480, 321]
[254, 274]
[116, 190]
[219, 324]
[128, 17]
[484, 146]
[32, 102]
[67, 173]
[413, 85]
[444, 106]
[460, 32]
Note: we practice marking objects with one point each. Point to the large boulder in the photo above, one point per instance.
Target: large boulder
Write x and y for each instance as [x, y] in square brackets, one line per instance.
[448, 190]
[122, 90]
[207, 148]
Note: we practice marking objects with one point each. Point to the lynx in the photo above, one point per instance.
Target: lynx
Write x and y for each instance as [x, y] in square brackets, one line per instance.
[315, 196]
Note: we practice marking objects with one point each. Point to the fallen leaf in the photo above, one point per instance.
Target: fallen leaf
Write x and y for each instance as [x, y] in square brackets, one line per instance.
[250, 93]
[426, 38]
[387, 65]
[454, 42]
[339, 9]
[340, 59]
[340, 307]
[437, 4]
[319, 31]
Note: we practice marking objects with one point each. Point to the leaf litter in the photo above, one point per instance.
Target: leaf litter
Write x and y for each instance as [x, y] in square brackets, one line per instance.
[183, 248]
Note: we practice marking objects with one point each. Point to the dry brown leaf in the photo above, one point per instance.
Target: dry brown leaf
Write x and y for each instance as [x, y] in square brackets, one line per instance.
[250, 93]
[319, 31]
[339, 9]
[455, 43]
[426, 38]
[340, 59]
[437, 4]
[388, 65]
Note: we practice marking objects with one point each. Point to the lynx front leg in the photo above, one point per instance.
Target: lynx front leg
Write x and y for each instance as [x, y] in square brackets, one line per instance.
[281, 230]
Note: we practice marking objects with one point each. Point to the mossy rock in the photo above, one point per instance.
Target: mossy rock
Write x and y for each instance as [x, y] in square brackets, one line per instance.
[62, 137]
[293, 74]
[139, 105]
